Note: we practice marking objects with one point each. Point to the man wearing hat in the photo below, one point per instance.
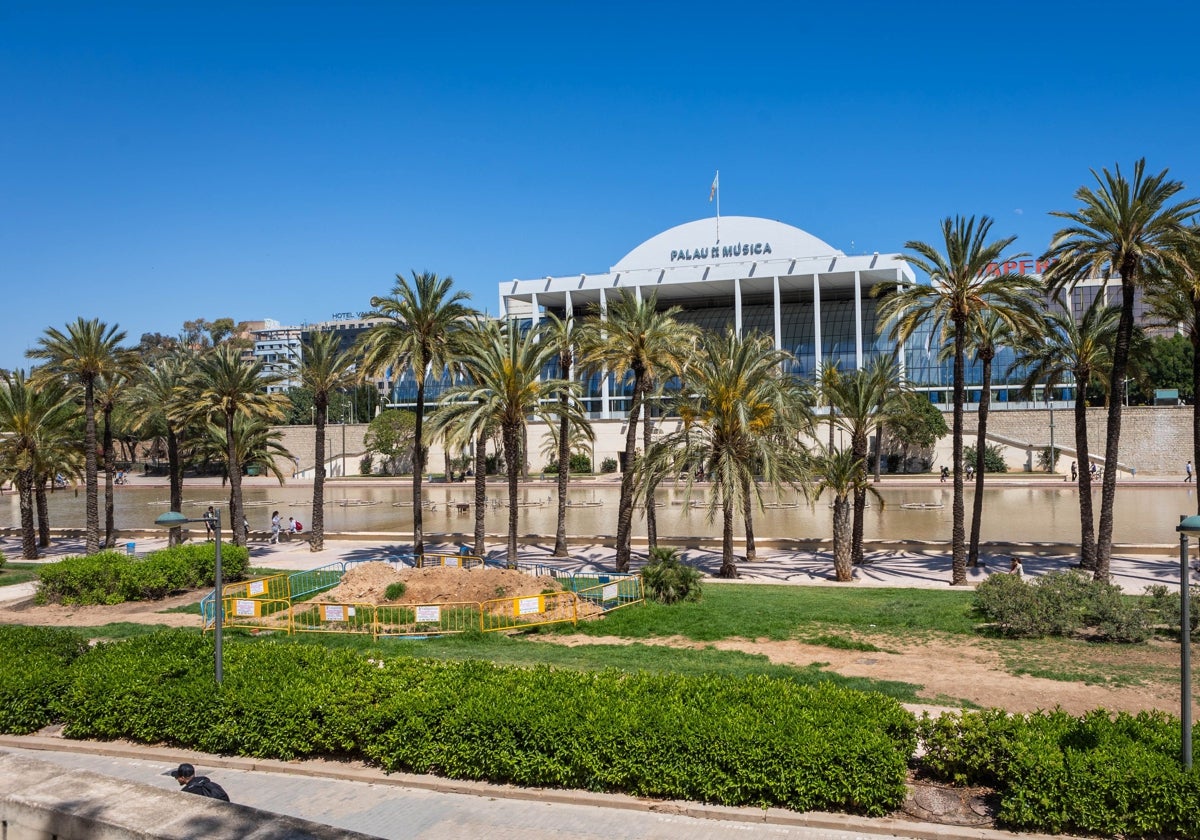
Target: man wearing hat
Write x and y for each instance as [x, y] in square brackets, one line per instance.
[185, 774]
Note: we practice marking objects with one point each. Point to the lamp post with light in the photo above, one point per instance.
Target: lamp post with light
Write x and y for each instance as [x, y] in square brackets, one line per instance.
[173, 519]
[1187, 525]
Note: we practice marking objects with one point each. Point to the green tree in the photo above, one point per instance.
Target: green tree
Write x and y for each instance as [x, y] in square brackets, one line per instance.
[157, 399]
[862, 399]
[393, 434]
[843, 475]
[959, 288]
[415, 332]
[506, 388]
[633, 339]
[86, 351]
[741, 414]
[916, 423]
[32, 419]
[1130, 229]
[222, 389]
[1168, 364]
[560, 333]
[324, 369]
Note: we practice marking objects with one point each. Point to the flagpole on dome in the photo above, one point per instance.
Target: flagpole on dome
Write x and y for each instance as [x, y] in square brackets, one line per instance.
[715, 192]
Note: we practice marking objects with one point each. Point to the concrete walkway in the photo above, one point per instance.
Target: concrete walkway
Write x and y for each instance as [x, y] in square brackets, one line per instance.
[428, 808]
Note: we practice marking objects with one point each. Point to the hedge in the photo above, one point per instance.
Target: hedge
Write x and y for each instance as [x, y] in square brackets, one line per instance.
[1101, 774]
[112, 577]
[34, 673]
[756, 741]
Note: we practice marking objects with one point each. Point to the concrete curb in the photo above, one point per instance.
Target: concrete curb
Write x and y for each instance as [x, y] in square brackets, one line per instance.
[879, 826]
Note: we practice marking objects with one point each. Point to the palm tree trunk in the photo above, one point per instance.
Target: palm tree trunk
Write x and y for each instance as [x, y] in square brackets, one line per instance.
[419, 469]
[843, 562]
[109, 469]
[175, 480]
[91, 488]
[985, 401]
[235, 484]
[858, 445]
[957, 533]
[748, 517]
[480, 490]
[512, 445]
[728, 567]
[1087, 533]
[446, 465]
[1112, 441]
[625, 505]
[316, 539]
[43, 511]
[1196, 391]
[651, 512]
[29, 548]
[564, 471]
[878, 450]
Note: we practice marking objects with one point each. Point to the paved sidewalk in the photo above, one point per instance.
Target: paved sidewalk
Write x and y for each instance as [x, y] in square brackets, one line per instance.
[428, 808]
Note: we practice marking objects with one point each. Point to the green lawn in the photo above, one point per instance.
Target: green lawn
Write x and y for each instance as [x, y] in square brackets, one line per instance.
[12, 573]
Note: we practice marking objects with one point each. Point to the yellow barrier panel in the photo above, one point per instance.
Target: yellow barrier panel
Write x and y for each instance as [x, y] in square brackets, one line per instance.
[267, 613]
[464, 561]
[327, 617]
[530, 611]
[273, 587]
[426, 619]
[617, 593]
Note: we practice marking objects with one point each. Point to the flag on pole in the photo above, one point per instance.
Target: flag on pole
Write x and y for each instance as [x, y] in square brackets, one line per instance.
[716, 183]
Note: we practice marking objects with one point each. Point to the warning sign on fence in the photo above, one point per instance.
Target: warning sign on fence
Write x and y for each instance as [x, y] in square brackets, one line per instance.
[529, 606]
[333, 612]
[244, 607]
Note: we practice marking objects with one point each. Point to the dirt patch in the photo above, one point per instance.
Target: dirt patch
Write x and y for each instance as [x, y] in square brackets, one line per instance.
[367, 584]
[949, 671]
[25, 611]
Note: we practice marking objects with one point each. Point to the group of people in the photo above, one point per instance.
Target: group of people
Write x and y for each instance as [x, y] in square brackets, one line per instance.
[278, 529]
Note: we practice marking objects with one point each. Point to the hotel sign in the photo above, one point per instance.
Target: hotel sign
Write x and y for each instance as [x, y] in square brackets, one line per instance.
[719, 251]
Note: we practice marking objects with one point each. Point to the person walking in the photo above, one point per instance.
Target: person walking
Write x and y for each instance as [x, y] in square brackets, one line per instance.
[210, 523]
[275, 526]
[1074, 472]
[1188, 472]
[185, 774]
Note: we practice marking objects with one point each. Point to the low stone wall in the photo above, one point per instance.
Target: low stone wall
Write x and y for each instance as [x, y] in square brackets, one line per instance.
[39, 801]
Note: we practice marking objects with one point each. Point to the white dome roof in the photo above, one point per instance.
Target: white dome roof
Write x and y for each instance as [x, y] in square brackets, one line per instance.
[742, 238]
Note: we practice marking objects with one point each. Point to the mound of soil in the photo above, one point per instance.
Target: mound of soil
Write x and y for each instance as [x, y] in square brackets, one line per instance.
[367, 583]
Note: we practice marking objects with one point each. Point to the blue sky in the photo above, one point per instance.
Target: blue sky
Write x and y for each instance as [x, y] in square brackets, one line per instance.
[167, 161]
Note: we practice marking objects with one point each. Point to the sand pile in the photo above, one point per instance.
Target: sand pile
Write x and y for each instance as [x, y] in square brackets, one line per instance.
[366, 583]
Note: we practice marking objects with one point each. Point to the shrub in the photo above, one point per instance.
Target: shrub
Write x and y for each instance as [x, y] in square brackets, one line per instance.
[366, 464]
[394, 591]
[667, 580]
[1093, 774]
[608, 465]
[1163, 602]
[111, 577]
[34, 672]
[758, 741]
[993, 460]
[1062, 603]
[580, 463]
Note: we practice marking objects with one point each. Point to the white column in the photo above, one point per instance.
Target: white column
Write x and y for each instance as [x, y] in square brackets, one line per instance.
[858, 348]
[902, 362]
[534, 304]
[778, 315]
[737, 308]
[605, 404]
[568, 309]
[817, 322]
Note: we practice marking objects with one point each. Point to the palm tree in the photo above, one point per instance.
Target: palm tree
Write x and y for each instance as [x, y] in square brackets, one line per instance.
[418, 321]
[222, 389]
[58, 454]
[506, 388]
[1132, 230]
[324, 369]
[843, 474]
[1173, 294]
[110, 392]
[30, 417]
[156, 399]
[741, 414]
[959, 287]
[987, 333]
[1082, 352]
[560, 333]
[85, 352]
[861, 399]
[634, 339]
[827, 376]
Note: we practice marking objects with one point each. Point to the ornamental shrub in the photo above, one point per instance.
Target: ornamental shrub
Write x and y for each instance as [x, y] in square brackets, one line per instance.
[1063, 603]
[667, 579]
[34, 671]
[112, 577]
[608, 465]
[993, 458]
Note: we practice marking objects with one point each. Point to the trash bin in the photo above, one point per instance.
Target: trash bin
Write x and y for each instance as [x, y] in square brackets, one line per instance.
[131, 549]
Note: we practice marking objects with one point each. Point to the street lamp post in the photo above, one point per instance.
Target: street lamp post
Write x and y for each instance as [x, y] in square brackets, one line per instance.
[1187, 525]
[173, 519]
